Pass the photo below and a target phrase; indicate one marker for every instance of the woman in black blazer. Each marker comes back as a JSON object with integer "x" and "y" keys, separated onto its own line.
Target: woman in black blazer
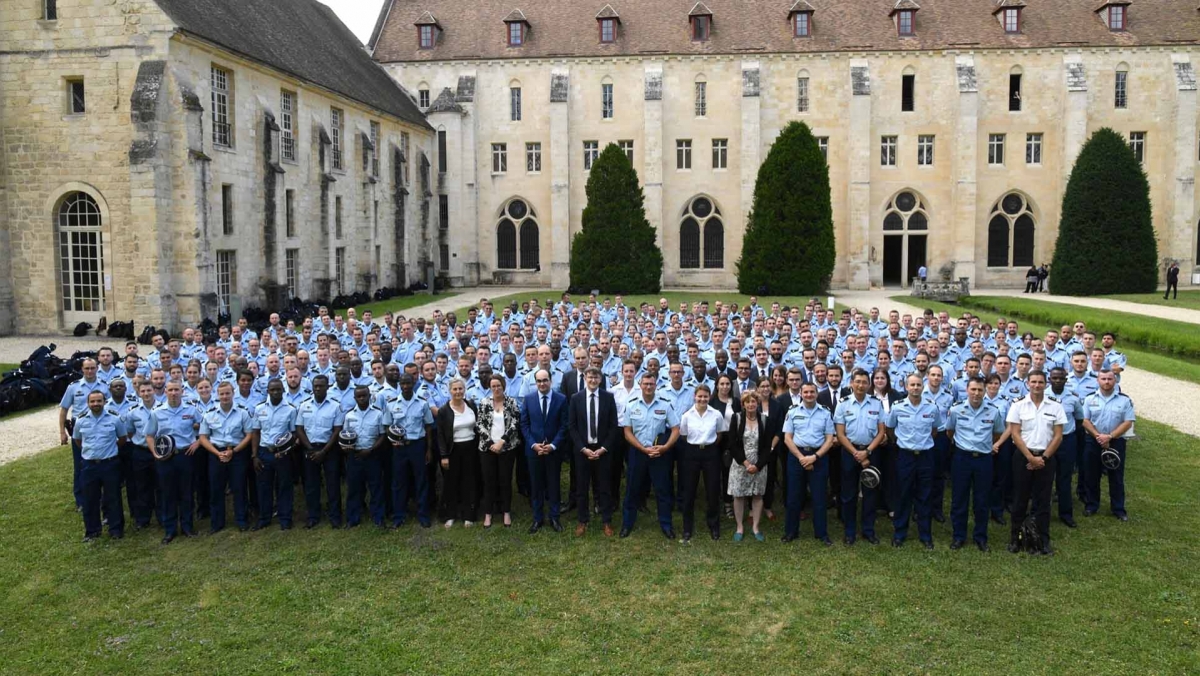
{"x": 725, "y": 401}
{"x": 458, "y": 445}
{"x": 499, "y": 434}
{"x": 881, "y": 389}
{"x": 748, "y": 471}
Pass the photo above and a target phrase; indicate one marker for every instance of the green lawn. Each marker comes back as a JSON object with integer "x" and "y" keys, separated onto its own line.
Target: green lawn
{"x": 5, "y": 368}
{"x": 399, "y": 303}
{"x": 633, "y": 301}
{"x": 1171, "y": 365}
{"x": 1187, "y": 299}
{"x": 1115, "y": 599}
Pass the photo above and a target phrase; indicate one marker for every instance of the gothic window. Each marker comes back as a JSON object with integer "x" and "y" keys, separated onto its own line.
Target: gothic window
{"x": 701, "y": 235}
{"x": 1011, "y": 228}
{"x": 518, "y": 241}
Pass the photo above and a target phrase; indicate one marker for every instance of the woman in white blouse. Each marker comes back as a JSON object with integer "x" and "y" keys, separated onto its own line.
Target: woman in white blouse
{"x": 701, "y": 429}
{"x": 499, "y": 430}
{"x": 460, "y": 455}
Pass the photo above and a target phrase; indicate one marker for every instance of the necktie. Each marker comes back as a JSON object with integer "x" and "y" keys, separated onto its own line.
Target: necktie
{"x": 592, "y": 417}
{"x": 545, "y": 407}
{"x": 581, "y": 382}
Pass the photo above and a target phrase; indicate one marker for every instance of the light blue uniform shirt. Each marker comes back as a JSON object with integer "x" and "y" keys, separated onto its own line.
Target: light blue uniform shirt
{"x": 345, "y": 398}
{"x": 367, "y": 424}
{"x": 974, "y": 427}
{"x": 944, "y": 399}
{"x": 649, "y": 421}
{"x": 76, "y": 396}
{"x": 318, "y": 420}
{"x": 180, "y": 423}
{"x": 249, "y": 403}
{"x": 914, "y": 425}
{"x": 97, "y": 434}
{"x": 860, "y": 420}
{"x": 1106, "y": 413}
{"x": 120, "y": 408}
{"x": 226, "y": 429}
{"x": 435, "y": 394}
{"x": 1082, "y": 386}
{"x": 1072, "y": 406}
{"x": 413, "y": 414}
{"x": 680, "y": 400}
{"x": 808, "y": 426}
{"x": 1014, "y": 389}
{"x": 273, "y": 421}
{"x": 140, "y": 421}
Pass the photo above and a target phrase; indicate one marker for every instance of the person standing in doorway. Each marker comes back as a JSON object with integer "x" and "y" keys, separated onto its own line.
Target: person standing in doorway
{"x": 1172, "y": 280}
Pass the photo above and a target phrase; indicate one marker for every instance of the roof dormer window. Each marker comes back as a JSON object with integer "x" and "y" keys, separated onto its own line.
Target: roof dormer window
{"x": 904, "y": 22}
{"x": 904, "y": 13}
{"x": 701, "y": 22}
{"x": 1115, "y": 14}
{"x": 1008, "y": 12}
{"x": 801, "y": 15}
{"x": 428, "y": 30}
{"x": 607, "y": 20}
{"x": 517, "y": 28}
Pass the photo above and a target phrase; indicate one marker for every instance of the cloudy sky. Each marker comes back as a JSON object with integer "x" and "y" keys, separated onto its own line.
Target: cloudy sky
{"x": 359, "y": 15}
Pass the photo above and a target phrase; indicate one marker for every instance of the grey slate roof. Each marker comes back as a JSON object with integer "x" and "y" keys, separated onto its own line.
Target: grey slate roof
{"x": 301, "y": 37}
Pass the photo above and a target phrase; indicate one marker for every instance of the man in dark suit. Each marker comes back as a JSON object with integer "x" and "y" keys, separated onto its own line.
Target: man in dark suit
{"x": 829, "y": 398}
{"x": 721, "y": 357}
{"x": 572, "y": 384}
{"x": 743, "y": 378}
{"x": 544, "y": 428}
{"x": 592, "y": 420}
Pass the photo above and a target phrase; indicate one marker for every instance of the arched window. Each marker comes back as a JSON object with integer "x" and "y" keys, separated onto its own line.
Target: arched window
{"x": 81, "y": 254}
{"x": 701, "y": 215}
{"x": 905, "y": 237}
{"x": 517, "y": 217}
{"x": 1011, "y": 228}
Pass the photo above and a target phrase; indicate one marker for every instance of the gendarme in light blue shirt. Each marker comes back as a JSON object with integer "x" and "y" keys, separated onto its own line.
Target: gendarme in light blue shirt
{"x": 226, "y": 429}
{"x": 808, "y": 426}
{"x": 180, "y": 423}
{"x": 914, "y": 424}
{"x": 318, "y": 420}
{"x": 273, "y": 421}
{"x": 413, "y": 414}
{"x": 367, "y": 424}
{"x": 1106, "y": 413}
{"x": 97, "y": 434}
{"x": 974, "y": 427}
{"x": 649, "y": 421}
{"x": 861, "y": 420}
{"x": 1072, "y": 406}
{"x": 76, "y": 396}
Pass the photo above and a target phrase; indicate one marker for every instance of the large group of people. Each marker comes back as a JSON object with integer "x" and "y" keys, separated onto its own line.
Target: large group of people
{"x": 761, "y": 409}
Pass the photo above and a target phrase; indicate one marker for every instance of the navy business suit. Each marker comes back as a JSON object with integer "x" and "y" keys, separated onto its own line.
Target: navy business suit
{"x": 599, "y": 471}
{"x": 544, "y": 470}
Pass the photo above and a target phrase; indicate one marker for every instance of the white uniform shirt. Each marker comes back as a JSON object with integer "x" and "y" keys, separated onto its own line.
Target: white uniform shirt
{"x": 701, "y": 430}
{"x": 1037, "y": 422}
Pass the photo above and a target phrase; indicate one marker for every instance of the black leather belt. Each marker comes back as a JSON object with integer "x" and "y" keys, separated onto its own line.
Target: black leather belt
{"x": 703, "y": 447}
{"x": 101, "y": 461}
{"x": 916, "y": 451}
{"x": 967, "y": 450}
{"x": 807, "y": 450}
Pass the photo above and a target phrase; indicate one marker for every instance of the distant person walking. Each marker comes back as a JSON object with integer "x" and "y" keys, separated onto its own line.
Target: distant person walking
{"x": 1043, "y": 273}
{"x": 1031, "y": 280}
{"x": 1172, "y": 280}
{"x": 922, "y": 273}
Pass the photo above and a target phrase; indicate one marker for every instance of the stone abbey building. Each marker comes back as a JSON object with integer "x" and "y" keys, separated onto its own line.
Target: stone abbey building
{"x": 165, "y": 160}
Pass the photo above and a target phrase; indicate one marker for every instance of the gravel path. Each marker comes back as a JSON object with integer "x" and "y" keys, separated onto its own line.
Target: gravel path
{"x": 1179, "y": 314}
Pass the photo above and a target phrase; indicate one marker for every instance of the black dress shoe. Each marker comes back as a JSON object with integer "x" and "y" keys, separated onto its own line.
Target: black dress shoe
{"x": 285, "y": 526}
{"x": 624, "y": 532}
{"x": 999, "y": 520}
{"x": 189, "y": 533}
{"x": 1045, "y": 551}
{"x": 214, "y": 531}
{"x": 849, "y": 540}
{"x": 787, "y": 538}
{"x": 939, "y": 517}
{"x": 1069, "y": 522}
{"x": 897, "y": 543}
{"x": 1122, "y": 517}
{"x": 116, "y": 536}
{"x": 556, "y": 525}
{"x": 983, "y": 546}
{"x": 669, "y": 534}
{"x": 715, "y": 533}
{"x": 335, "y": 525}
{"x": 956, "y": 545}
{"x": 687, "y": 537}
{"x": 257, "y": 527}
{"x": 167, "y": 539}
{"x": 1089, "y": 512}
{"x": 825, "y": 541}
{"x": 243, "y": 529}
{"x": 426, "y": 524}
{"x": 310, "y": 524}
{"x": 535, "y": 527}
{"x": 872, "y": 539}
{"x": 1013, "y": 548}
{"x": 93, "y": 538}
{"x": 928, "y": 544}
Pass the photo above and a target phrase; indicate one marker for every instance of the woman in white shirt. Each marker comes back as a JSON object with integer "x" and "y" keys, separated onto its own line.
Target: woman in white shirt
{"x": 459, "y": 449}
{"x": 702, "y": 430}
{"x": 499, "y": 431}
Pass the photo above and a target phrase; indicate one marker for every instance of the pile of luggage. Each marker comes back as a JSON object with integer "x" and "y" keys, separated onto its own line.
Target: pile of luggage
{"x": 41, "y": 379}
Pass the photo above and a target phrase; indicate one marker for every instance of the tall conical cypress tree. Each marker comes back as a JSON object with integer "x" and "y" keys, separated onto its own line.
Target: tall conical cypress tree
{"x": 789, "y": 248}
{"x": 1105, "y": 236}
{"x": 615, "y": 251}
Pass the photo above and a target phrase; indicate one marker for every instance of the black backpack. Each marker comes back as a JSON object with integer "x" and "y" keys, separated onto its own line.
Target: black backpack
{"x": 81, "y": 329}
{"x": 147, "y": 333}
{"x": 1028, "y": 538}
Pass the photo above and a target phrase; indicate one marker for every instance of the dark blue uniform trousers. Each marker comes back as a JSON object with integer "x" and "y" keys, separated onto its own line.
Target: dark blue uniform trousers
{"x": 849, "y": 495}
{"x": 800, "y": 480}
{"x": 545, "y": 474}
{"x": 941, "y": 472}
{"x": 175, "y": 484}
{"x": 331, "y": 467}
{"x": 971, "y": 475}
{"x": 1067, "y": 455}
{"x": 1002, "y": 479}
{"x": 409, "y": 460}
{"x": 101, "y": 479}
{"x": 1116, "y": 477}
{"x": 143, "y": 502}
{"x": 643, "y": 471}
{"x": 275, "y": 477}
{"x": 230, "y": 474}
{"x": 364, "y": 474}
{"x": 76, "y": 474}
{"x": 914, "y": 472}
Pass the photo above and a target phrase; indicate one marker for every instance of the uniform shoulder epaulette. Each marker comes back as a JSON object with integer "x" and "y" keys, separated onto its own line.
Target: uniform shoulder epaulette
{"x": 109, "y": 410}
{"x": 988, "y": 403}
{"x": 827, "y": 409}
{"x": 845, "y": 398}
{"x": 1122, "y": 394}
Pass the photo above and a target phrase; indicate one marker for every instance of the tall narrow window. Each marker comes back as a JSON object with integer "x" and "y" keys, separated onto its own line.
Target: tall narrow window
{"x": 823, "y": 144}
{"x": 287, "y": 125}
{"x": 608, "y": 30}
{"x": 720, "y": 153}
{"x": 996, "y": 149}
{"x": 499, "y": 158}
{"x": 506, "y": 245}
{"x": 226, "y": 278}
{"x": 1116, "y": 17}
{"x": 426, "y": 32}
{"x": 689, "y": 244}
{"x": 530, "y": 244}
{"x": 81, "y": 255}
{"x": 514, "y": 104}
{"x": 339, "y": 268}
{"x": 701, "y": 27}
{"x": 701, "y": 236}
{"x": 904, "y": 22}
{"x": 516, "y": 34}
{"x": 1033, "y": 148}
{"x": 444, "y": 212}
{"x": 337, "y": 217}
{"x": 1137, "y": 141}
{"x": 335, "y": 136}
{"x": 221, "y": 94}
{"x": 591, "y": 150}
{"x": 606, "y": 101}
{"x": 801, "y": 24}
{"x": 925, "y": 150}
{"x": 908, "y": 87}
{"x": 50, "y": 10}
{"x": 1012, "y": 20}
{"x": 441, "y": 151}
{"x": 887, "y": 151}
{"x": 802, "y": 94}
{"x": 76, "y": 101}
{"x": 291, "y": 259}
{"x": 1011, "y": 230}
{"x": 1014, "y": 92}
{"x": 683, "y": 154}
{"x": 289, "y": 212}
{"x": 627, "y": 148}
{"x": 226, "y": 209}
{"x": 701, "y": 99}
{"x": 404, "y": 150}
{"x": 374, "y": 148}
{"x": 1120, "y": 93}
{"x": 533, "y": 157}
{"x": 423, "y": 98}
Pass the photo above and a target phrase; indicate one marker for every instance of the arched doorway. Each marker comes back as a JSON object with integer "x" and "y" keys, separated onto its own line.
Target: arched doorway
{"x": 78, "y": 221}
{"x": 905, "y": 238}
